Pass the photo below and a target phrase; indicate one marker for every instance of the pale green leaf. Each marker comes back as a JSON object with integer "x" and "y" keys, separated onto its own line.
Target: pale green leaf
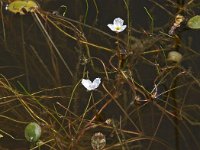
{"x": 194, "y": 22}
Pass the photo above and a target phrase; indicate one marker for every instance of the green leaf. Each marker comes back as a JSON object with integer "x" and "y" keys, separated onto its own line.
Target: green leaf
{"x": 19, "y": 6}
{"x": 194, "y": 22}
{"x": 32, "y": 132}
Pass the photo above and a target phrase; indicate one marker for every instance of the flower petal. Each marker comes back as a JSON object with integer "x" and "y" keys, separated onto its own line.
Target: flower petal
{"x": 112, "y": 27}
{"x": 86, "y": 83}
{"x": 96, "y": 82}
{"x": 118, "y": 22}
{"x": 122, "y": 28}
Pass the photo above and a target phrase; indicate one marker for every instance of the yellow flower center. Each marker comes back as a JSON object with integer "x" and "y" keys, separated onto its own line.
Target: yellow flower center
{"x": 117, "y": 28}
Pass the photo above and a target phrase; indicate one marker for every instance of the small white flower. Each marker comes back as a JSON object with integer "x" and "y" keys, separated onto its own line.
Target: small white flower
{"x": 89, "y": 85}
{"x": 117, "y": 25}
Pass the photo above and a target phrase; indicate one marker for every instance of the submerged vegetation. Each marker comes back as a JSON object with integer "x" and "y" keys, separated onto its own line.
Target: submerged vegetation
{"x": 70, "y": 82}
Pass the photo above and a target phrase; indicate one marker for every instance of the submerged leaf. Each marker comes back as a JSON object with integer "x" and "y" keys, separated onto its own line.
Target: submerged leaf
{"x": 194, "y": 22}
{"x": 32, "y": 132}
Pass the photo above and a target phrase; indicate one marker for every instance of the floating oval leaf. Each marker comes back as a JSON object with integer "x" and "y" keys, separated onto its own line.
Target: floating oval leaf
{"x": 31, "y": 5}
{"x": 22, "y": 6}
{"x": 16, "y": 7}
{"x": 194, "y": 22}
{"x": 32, "y": 132}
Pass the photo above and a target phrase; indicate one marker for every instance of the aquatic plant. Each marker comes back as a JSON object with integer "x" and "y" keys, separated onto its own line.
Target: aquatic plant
{"x": 146, "y": 98}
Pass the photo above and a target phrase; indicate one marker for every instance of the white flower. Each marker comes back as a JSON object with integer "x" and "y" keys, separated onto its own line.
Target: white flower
{"x": 117, "y": 25}
{"x": 91, "y": 85}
